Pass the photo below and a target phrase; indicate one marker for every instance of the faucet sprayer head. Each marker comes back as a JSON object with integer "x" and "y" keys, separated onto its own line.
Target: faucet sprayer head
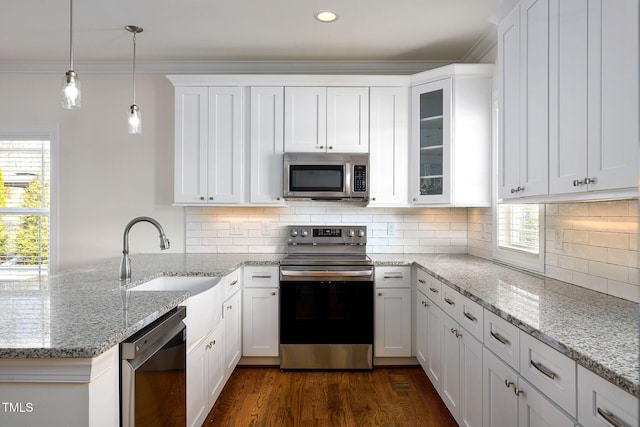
{"x": 164, "y": 242}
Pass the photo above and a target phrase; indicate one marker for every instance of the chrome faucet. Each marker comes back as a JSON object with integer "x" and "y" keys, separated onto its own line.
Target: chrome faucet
{"x": 125, "y": 264}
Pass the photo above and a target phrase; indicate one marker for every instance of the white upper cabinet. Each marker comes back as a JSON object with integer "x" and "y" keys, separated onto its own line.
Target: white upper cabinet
{"x": 208, "y": 145}
{"x": 523, "y": 122}
{"x": 388, "y": 144}
{"x": 450, "y": 153}
{"x": 320, "y": 119}
{"x": 266, "y": 136}
{"x": 568, "y": 76}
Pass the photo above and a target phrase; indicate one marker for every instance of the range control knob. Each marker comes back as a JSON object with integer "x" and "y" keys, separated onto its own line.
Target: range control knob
{"x": 351, "y": 233}
{"x": 304, "y": 233}
{"x": 293, "y": 232}
{"x": 361, "y": 233}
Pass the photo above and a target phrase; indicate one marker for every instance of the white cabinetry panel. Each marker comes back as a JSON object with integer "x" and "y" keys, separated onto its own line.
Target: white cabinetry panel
{"x": 305, "y": 110}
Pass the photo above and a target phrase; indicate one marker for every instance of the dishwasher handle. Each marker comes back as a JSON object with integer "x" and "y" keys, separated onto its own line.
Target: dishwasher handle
{"x": 154, "y": 336}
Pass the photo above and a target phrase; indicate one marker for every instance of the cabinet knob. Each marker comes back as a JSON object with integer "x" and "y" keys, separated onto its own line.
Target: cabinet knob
{"x": 589, "y": 180}
{"x": 201, "y": 197}
{"x": 414, "y": 199}
{"x": 210, "y": 198}
{"x": 321, "y": 147}
{"x": 373, "y": 198}
{"x": 330, "y": 147}
{"x": 277, "y": 198}
{"x": 379, "y": 294}
{"x": 508, "y": 383}
{"x": 577, "y": 182}
{"x": 273, "y": 293}
{"x": 517, "y": 391}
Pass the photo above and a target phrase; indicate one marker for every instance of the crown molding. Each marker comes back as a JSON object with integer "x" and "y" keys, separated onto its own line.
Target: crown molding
{"x": 482, "y": 47}
{"x": 225, "y": 67}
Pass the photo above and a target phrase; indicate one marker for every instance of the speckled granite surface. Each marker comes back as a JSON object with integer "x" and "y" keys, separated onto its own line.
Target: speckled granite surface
{"x": 80, "y": 314}
{"x": 599, "y": 331}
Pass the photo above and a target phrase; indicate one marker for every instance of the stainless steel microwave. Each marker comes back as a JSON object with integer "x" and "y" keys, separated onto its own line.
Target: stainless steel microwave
{"x": 326, "y": 176}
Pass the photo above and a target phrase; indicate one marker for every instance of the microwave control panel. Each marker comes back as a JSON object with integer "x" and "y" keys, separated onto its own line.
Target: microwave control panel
{"x": 359, "y": 178}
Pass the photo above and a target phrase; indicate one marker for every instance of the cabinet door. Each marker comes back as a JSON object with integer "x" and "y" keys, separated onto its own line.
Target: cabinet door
{"x": 613, "y": 94}
{"x": 470, "y": 381}
{"x": 215, "y": 365}
{"x": 509, "y": 112}
{"x": 392, "y": 323}
{"x": 568, "y": 95}
{"x": 232, "y": 332}
{"x": 260, "y": 322}
{"x": 305, "y": 119}
{"x": 191, "y": 133}
{"x": 450, "y": 393}
{"x": 500, "y": 403}
{"x": 422, "y": 303}
{"x": 434, "y": 346}
{"x": 431, "y": 110}
{"x": 224, "y": 183}
{"x": 197, "y": 385}
{"x": 534, "y": 410}
{"x": 388, "y": 145}
{"x": 266, "y": 145}
{"x": 534, "y": 92}
{"x": 348, "y": 119}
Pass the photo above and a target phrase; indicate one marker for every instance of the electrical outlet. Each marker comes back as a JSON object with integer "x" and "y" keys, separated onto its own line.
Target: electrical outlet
{"x": 266, "y": 229}
{"x": 235, "y": 229}
{"x": 391, "y": 229}
{"x": 558, "y": 239}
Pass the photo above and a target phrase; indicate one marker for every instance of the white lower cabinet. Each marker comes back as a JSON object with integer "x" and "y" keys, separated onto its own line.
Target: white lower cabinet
{"x": 260, "y": 311}
{"x": 205, "y": 376}
{"x": 232, "y": 312}
{"x": 510, "y": 401}
{"x": 422, "y": 305}
{"x": 392, "y": 306}
{"x": 602, "y": 404}
{"x": 434, "y": 345}
{"x": 461, "y": 373}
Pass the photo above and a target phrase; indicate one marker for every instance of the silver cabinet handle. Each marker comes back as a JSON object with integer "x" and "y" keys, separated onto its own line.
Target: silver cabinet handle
{"x": 422, "y": 281}
{"x": 517, "y": 189}
{"x": 321, "y": 147}
{"x": 330, "y": 147}
{"x": 450, "y": 301}
{"x": 589, "y": 180}
{"x": 261, "y": 276}
{"x": 201, "y": 197}
{"x": 470, "y": 316}
{"x": 500, "y": 338}
{"x": 235, "y": 282}
{"x": 577, "y": 182}
{"x": 508, "y": 383}
{"x": 273, "y": 293}
{"x": 210, "y": 198}
{"x": 517, "y": 391}
{"x": 393, "y": 277}
{"x": 379, "y": 294}
{"x": 434, "y": 290}
{"x": 543, "y": 369}
{"x": 612, "y": 419}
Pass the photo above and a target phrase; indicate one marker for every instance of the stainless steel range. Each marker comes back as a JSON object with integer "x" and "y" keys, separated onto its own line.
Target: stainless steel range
{"x": 326, "y": 299}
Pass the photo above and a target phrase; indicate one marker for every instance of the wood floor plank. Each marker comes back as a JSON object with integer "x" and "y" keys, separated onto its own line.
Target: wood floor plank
{"x": 384, "y": 396}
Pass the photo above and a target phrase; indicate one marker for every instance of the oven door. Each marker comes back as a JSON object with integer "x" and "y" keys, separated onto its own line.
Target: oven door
{"x": 326, "y": 324}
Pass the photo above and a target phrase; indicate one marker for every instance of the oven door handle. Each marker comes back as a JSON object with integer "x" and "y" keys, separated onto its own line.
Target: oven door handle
{"x": 324, "y": 273}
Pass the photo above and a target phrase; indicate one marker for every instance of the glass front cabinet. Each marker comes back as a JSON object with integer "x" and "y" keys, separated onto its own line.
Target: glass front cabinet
{"x": 451, "y": 135}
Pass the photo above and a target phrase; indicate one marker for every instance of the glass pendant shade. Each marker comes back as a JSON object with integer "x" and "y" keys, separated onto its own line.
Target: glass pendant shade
{"x": 71, "y": 95}
{"x": 134, "y": 119}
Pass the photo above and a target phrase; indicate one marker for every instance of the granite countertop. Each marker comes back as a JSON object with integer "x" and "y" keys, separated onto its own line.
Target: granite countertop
{"x": 81, "y": 313}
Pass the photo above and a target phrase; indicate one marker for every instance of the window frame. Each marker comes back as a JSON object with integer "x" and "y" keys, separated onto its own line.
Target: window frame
{"x": 50, "y": 133}
{"x": 521, "y": 258}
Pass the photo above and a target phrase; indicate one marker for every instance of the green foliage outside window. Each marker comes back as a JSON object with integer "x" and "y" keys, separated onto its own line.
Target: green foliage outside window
{"x": 32, "y": 236}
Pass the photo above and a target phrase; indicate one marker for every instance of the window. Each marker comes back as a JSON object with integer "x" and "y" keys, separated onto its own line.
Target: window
{"x": 520, "y": 235}
{"x": 25, "y": 202}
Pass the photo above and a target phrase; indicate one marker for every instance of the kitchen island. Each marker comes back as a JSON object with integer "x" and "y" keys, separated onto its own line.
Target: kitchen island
{"x": 79, "y": 317}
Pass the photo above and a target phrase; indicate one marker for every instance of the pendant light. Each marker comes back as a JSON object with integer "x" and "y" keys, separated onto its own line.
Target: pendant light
{"x": 71, "y": 96}
{"x": 134, "y": 117}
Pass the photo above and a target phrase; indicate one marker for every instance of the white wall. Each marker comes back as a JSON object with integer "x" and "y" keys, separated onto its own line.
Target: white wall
{"x": 106, "y": 176}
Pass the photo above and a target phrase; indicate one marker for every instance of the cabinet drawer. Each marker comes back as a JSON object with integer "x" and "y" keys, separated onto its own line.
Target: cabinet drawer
{"x": 550, "y": 371}
{"x": 422, "y": 281}
{"x": 434, "y": 290}
{"x": 256, "y": 276}
{"x": 601, "y": 404}
{"x": 471, "y": 317}
{"x": 502, "y": 338}
{"x": 393, "y": 277}
{"x": 232, "y": 283}
{"x": 451, "y": 302}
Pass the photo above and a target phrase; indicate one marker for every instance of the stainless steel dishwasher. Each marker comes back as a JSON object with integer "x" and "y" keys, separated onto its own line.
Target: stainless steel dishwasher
{"x": 153, "y": 373}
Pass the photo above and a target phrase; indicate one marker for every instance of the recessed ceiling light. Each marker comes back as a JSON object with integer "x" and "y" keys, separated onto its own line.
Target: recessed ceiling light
{"x": 326, "y": 15}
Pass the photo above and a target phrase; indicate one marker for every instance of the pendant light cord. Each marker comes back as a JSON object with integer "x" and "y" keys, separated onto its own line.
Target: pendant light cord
{"x": 134, "y": 68}
{"x": 71, "y": 35}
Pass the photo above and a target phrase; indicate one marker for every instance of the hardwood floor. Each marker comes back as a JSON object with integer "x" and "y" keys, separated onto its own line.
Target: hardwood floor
{"x": 257, "y": 396}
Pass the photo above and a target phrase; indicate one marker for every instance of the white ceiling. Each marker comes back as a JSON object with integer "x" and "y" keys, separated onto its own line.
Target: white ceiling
{"x": 243, "y": 30}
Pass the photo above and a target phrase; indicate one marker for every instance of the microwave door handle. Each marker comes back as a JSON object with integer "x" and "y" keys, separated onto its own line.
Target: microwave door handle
{"x": 347, "y": 179}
